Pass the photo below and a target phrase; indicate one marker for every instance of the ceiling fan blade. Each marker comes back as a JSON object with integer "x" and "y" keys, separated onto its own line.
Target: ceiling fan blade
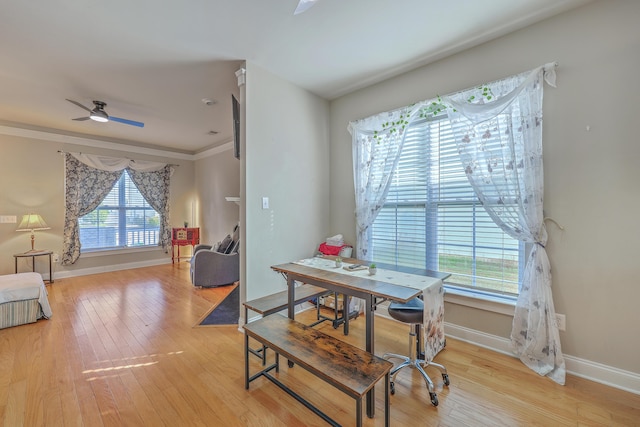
{"x": 126, "y": 122}
{"x": 81, "y": 119}
{"x": 303, "y": 6}
{"x": 79, "y": 105}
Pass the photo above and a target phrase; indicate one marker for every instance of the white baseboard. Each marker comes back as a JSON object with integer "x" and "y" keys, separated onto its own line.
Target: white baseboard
{"x": 106, "y": 268}
{"x": 593, "y": 371}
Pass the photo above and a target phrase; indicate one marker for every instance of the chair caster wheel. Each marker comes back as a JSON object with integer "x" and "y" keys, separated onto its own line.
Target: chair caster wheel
{"x": 445, "y": 377}
{"x": 434, "y": 399}
{"x": 392, "y": 387}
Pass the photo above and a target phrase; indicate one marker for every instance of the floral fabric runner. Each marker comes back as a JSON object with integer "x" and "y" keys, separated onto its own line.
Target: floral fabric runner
{"x": 432, "y": 291}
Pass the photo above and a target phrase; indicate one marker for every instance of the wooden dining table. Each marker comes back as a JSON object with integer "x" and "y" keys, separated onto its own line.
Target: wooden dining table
{"x": 372, "y": 289}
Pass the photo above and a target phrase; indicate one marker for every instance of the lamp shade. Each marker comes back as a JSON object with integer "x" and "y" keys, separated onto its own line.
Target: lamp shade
{"x": 32, "y": 222}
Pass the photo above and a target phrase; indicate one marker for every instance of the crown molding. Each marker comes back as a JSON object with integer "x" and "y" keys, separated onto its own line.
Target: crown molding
{"x": 98, "y": 143}
{"x": 213, "y": 150}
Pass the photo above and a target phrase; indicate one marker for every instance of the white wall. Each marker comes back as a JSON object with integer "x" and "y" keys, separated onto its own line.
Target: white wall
{"x": 286, "y": 158}
{"x": 591, "y": 176}
{"x": 32, "y": 180}
{"x": 216, "y": 176}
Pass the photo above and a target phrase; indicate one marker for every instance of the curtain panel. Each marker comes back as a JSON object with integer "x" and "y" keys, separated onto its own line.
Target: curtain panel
{"x": 506, "y": 176}
{"x": 377, "y": 144}
{"x": 85, "y": 188}
{"x": 89, "y": 179}
{"x": 509, "y": 182}
{"x": 154, "y": 187}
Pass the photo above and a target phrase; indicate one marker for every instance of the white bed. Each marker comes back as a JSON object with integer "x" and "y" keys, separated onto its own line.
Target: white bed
{"x": 23, "y": 299}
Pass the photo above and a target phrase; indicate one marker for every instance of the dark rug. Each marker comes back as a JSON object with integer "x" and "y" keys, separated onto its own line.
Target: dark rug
{"x": 226, "y": 312}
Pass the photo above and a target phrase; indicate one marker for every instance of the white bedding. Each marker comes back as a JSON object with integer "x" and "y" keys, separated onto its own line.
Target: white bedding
{"x": 25, "y": 286}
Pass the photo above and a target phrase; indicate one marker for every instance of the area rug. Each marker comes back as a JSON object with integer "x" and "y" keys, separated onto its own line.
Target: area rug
{"x": 225, "y": 313}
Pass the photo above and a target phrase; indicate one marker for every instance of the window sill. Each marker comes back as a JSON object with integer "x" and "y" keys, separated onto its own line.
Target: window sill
{"x": 493, "y": 303}
{"x": 119, "y": 251}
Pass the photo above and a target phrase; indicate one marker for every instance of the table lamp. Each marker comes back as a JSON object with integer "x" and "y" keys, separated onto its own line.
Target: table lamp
{"x": 32, "y": 222}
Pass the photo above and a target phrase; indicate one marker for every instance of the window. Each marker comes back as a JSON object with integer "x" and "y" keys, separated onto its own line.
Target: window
{"x": 123, "y": 219}
{"x": 432, "y": 218}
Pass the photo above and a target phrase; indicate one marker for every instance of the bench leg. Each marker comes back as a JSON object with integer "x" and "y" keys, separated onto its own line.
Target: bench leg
{"x": 246, "y": 361}
{"x": 359, "y": 412}
{"x": 262, "y": 352}
{"x": 337, "y": 319}
{"x": 264, "y": 372}
{"x": 387, "y": 406}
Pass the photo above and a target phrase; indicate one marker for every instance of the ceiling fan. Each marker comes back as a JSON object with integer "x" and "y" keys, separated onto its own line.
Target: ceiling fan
{"x": 99, "y": 115}
{"x": 303, "y": 6}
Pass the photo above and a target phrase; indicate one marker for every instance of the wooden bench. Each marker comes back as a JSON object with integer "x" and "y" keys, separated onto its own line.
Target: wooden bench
{"x": 346, "y": 367}
{"x": 277, "y": 302}
{"x": 274, "y": 303}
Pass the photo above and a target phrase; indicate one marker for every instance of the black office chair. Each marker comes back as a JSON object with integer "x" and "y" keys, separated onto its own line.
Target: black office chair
{"x": 413, "y": 312}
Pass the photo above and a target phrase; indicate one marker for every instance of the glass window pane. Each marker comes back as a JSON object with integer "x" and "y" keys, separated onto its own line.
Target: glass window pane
{"x": 432, "y": 218}
{"x": 123, "y": 219}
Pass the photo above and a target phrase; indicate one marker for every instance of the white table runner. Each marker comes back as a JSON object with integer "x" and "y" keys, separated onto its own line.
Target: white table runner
{"x": 432, "y": 291}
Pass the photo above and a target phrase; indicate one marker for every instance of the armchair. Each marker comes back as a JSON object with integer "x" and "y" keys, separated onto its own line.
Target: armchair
{"x": 217, "y": 265}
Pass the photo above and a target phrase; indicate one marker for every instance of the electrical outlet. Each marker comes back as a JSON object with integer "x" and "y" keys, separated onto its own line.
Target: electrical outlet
{"x": 55, "y": 257}
{"x": 561, "y": 321}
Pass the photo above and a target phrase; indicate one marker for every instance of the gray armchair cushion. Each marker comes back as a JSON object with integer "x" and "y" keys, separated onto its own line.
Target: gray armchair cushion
{"x": 218, "y": 265}
{"x": 201, "y": 247}
{"x": 224, "y": 246}
{"x": 210, "y": 269}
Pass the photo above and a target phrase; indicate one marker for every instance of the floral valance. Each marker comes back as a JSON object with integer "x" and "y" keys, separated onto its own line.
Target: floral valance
{"x": 481, "y": 103}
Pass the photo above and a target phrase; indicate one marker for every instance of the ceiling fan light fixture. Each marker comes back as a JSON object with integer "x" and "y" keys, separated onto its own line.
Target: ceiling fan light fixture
{"x": 303, "y": 6}
{"x": 99, "y": 116}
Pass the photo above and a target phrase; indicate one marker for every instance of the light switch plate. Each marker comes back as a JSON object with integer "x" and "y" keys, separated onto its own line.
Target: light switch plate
{"x": 265, "y": 203}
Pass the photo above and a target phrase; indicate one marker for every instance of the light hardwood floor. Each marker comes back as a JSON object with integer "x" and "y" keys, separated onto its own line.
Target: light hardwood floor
{"x": 122, "y": 350}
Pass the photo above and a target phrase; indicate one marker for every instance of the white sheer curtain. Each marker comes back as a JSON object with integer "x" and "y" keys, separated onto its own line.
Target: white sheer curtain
{"x": 377, "y": 144}
{"x": 498, "y": 127}
{"x": 507, "y": 174}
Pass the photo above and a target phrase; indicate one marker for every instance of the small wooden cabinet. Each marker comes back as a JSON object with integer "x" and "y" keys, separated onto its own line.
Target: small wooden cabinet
{"x": 183, "y": 237}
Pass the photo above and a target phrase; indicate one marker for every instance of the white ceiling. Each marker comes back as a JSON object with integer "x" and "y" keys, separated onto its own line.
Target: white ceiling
{"x": 154, "y": 61}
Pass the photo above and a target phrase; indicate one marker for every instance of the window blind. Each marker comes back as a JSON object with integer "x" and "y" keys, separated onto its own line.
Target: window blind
{"x": 432, "y": 218}
{"x": 123, "y": 219}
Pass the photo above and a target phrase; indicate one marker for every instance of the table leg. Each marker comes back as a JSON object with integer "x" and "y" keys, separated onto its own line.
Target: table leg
{"x": 291, "y": 289}
{"x": 50, "y": 270}
{"x": 369, "y": 340}
{"x": 346, "y": 299}
{"x": 16, "y": 258}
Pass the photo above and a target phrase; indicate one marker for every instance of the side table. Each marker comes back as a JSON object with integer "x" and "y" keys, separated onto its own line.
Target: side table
{"x": 184, "y": 237}
{"x": 33, "y": 255}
